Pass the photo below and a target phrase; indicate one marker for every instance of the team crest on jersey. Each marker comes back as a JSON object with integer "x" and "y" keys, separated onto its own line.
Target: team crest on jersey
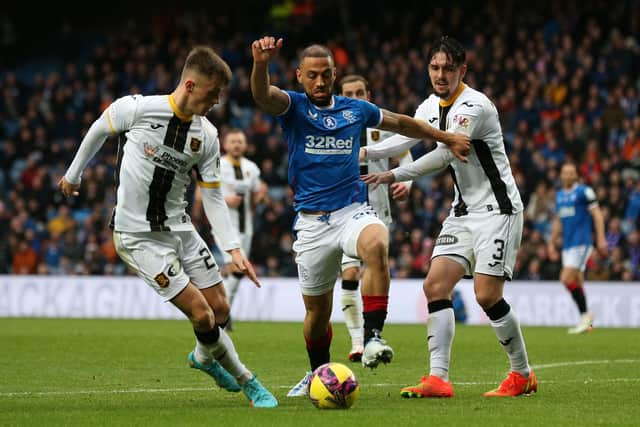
{"x": 375, "y": 135}
{"x": 329, "y": 122}
{"x": 150, "y": 150}
{"x": 461, "y": 121}
{"x": 195, "y": 144}
{"x": 349, "y": 116}
{"x": 162, "y": 280}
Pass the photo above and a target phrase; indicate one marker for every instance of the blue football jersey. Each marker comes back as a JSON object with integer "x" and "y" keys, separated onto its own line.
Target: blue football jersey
{"x": 324, "y": 144}
{"x": 572, "y": 206}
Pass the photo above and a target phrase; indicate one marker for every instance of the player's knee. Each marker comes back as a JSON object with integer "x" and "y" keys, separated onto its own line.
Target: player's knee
{"x": 435, "y": 289}
{"x": 202, "y": 318}
{"x": 487, "y": 300}
{"x": 375, "y": 250}
{"x": 222, "y": 310}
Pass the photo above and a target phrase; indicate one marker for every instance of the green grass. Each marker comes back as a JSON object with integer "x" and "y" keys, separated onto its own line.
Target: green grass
{"x": 113, "y": 372}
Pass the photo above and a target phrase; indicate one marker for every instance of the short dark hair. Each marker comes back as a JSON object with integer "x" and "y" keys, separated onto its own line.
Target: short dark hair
{"x": 205, "y": 61}
{"x": 316, "y": 51}
{"x": 353, "y": 78}
{"x": 452, "y": 48}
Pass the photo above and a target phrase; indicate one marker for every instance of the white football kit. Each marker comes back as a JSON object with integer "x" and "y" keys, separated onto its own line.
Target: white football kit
{"x": 242, "y": 178}
{"x": 484, "y": 228}
{"x": 159, "y": 146}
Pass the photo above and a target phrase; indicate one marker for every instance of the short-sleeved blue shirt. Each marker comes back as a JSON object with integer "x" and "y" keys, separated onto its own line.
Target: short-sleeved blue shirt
{"x": 572, "y": 206}
{"x": 324, "y": 144}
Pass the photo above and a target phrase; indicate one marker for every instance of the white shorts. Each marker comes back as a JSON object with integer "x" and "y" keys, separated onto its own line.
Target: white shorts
{"x": 349, "y": 262}
{"x": 576, "y": 257}
{"x": 322, "y": 239}
{"x": 168, "y": 261}
{"x": 482, "y": 243}
{"x": 245, "y": 245}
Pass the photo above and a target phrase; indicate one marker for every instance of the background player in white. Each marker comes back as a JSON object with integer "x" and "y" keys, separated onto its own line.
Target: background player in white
{"x": 163, "y": 138}
{"x": 356, "y": 86}
{"x": 481, "y": 236}
{"x": 323, "y": 138}
{"x": 577, "y": 213}
{"x": 243, "y": 190}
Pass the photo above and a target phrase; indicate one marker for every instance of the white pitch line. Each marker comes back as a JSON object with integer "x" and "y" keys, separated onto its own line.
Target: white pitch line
{"x": 582, "y": 362}
{"x": 461, "y": 383}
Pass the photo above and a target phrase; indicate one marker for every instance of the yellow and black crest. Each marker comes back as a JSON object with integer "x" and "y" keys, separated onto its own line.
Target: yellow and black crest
{"x": 375, "y": 135}
{"x": 162, "y": 280}
{"x": 195, "y": 144}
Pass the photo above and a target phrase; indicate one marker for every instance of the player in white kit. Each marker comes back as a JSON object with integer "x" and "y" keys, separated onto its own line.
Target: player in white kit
{"x": 162, "y": 139}
{"x": 242, "y": 189}
{"x": 482, "y": 234}
{"x": 356, "y": 86}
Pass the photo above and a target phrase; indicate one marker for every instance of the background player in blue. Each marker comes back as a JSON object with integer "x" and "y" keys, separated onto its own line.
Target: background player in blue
{"x": 323, "y": 132}
{"x": 577, "y": 213}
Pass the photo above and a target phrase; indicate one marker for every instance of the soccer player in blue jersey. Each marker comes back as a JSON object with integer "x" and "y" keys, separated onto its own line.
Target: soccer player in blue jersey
{"x": 577, "y": 213}
{"x": 323, "y": 135}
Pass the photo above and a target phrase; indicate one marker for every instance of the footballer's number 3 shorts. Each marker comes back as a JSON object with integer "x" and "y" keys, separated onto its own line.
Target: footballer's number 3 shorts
{"x": 482, "y": 243}
{"x": 167, "y": 261}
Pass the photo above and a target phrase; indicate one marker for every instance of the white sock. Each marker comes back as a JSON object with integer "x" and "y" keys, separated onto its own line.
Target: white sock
{"x": 202, "y": 353}
{"x": 352, "y": 311}
{"x": 441, "y": 328}
{"x": 510, "y": 336}
{"x": 231, "y": 284}
{"x": 225, "y": 353}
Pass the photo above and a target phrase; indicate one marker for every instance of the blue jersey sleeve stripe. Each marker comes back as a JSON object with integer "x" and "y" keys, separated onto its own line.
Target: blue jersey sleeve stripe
{"x": 286, "y": 110}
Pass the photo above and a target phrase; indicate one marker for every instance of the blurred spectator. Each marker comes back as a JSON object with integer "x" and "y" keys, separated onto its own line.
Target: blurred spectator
{"x": 566, "y": 86}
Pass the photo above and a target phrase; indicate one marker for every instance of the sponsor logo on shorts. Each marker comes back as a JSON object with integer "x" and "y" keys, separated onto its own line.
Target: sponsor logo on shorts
{"x": 162, "y": 280}
{"x": 446, "y": 239}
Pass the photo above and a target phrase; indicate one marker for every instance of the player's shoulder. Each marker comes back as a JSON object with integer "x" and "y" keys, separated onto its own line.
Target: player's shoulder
{"x": 130, "y": 101}
{"x": 209, "y": 128}
{"x": 472, "y": 101}
{"x": 428, "y": 109}
{"x": 250, "y": 165}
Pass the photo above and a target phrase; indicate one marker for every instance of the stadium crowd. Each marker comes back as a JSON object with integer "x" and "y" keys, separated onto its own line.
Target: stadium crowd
{"x": 565, "y": 83}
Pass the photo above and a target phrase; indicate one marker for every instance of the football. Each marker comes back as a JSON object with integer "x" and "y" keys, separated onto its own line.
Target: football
{"x": 333, "y": 386}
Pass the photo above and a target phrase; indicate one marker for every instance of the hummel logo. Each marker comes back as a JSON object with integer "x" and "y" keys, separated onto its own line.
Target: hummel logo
{"x": 468, "y": 104}
{"x": 429, "y": 337}
{"x": 344, "y": 307}
{"x": 506, "y": 342}
{"x": 433, "y": 119}
{"x": 156, "y": 125}
{"x": 493, "y": 264}
{"x": 312, "y": 114}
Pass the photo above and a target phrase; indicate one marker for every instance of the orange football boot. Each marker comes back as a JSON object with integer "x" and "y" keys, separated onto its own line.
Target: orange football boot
{"x": 430, "y": 386}
{"x": 515, "y": 385}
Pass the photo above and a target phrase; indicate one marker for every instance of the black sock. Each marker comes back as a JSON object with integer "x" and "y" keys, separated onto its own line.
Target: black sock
{"x": 579, "y": 298}
{"x": 349, "y": 285}
{"x": 318, "y": 350}
{"x": 498, "y": 310}
{"x": 208, "y": 337}
{"x": 373, "y": 323}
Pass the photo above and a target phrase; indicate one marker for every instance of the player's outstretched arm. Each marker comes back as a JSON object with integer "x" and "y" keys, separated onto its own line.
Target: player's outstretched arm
{"x": 393, "y": 146}
{"x": 268, "y": 97}
{"x": 69, "y": 184}
{"x": 215, "y": 208}
{"x": 459, "y": 143}
{"x": 243, "y": 265}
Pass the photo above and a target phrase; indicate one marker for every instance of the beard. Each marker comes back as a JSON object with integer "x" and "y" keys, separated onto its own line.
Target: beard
{"x": 320, "y": 101}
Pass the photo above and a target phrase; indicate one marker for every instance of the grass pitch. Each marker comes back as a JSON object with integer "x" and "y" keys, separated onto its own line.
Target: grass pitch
{"x": 116, "y": 372}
